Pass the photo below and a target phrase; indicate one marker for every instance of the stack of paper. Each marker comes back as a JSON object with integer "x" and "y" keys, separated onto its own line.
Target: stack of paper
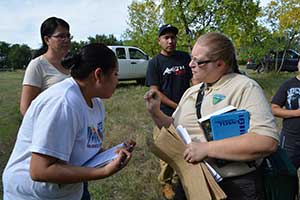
{"x": 182, "y": 132}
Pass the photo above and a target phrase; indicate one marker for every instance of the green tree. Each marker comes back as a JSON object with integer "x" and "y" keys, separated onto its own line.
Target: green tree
{"x": 237, "y": 19}
{"x": 108, "y": 40}
{"x": 19, "y": 56}
{"x": 144, "y": 19}
{"x": 75, "y": 46}
{"x": 193, "y": 18}
{"x": 4, "y": 51}
{"x": 283, "y": 16}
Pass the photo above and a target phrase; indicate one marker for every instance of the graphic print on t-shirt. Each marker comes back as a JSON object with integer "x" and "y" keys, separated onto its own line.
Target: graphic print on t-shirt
{"x": 177, "y": 70}
{"x": 95, "y": 136}
{"x": 293, "y": 98}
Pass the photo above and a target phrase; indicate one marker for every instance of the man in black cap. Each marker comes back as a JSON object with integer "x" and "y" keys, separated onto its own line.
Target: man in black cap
{"x": 168, "y": 73}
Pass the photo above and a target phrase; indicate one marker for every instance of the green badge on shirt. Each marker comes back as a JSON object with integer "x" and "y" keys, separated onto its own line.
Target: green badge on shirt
{"x": 217, "y": 98}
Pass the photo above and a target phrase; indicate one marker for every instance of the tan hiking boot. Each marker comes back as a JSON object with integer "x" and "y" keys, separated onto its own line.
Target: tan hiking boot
{"x": 168, "y": 191}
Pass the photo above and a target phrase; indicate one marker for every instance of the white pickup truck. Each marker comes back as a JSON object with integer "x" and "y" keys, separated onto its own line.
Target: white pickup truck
{"x": 133, "y": 63}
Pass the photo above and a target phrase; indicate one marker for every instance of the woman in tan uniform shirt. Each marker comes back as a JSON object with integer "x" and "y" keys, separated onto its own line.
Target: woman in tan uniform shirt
{"x": 214, "y": 63}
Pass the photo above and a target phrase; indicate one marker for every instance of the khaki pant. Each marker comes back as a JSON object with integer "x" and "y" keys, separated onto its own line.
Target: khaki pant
{"x": 167, "y": 174}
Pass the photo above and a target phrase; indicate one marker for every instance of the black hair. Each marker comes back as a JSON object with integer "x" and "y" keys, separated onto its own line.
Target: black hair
{"x": 89, "y": 58}
{"x": 48, "y": 27}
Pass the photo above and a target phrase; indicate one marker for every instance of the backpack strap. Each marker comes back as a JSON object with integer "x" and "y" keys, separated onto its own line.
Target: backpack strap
{"x": 199, "y": 100}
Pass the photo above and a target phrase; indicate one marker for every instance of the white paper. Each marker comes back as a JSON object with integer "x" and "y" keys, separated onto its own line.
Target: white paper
{"x": 104, "y": 157}
{"x": 213, "y": 172}
{"x": 218, "y": 112}
{"x": 187, "y": 139}
{"x": 184, "y": 134}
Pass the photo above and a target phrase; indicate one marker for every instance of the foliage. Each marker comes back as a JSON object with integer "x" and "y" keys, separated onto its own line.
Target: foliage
{"x": 243, "y": 21}
{"x": 75, "y": 46}
{"x": 19, "y": 56}
{"x": 144, "y": 18}
{"x": 14, "y": 56}
{"x": 193, "y": 18}
{"x": 238, "y": 20}
{"x": 255, "y": 31}
{"x": 283, "y": 16}
{"x": 108, "y": 40}
{"x": 260, "y": 46}
{"x": 4, "y": 50}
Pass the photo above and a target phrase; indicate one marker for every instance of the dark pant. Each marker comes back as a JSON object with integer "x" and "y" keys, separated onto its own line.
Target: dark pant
{"x": 246, "y": 187}
{"x": 179, "y": 192}
{"x": 86, "y": 194}
{"x": 291, "y": 144}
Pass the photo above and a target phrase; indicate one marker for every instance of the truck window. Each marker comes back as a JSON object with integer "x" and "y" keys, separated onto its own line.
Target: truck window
{"x": 136, "y": 54}
{"x": 120, "y": 53}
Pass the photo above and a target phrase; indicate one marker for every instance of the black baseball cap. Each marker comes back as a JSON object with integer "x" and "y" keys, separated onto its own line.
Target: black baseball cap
{"x": 167, "y": 28}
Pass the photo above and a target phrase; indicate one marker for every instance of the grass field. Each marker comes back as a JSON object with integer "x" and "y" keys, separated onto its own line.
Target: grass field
{"x": 126, "y": 118}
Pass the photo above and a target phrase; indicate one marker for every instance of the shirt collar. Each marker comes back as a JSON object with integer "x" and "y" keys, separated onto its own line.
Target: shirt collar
{"x": 222, "y": 81}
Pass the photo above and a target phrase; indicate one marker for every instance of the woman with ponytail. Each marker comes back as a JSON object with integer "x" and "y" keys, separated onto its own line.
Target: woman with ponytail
{"x": 46, "y": 68}
{"x": 62, "y": 129}
{"x": 214, "y": 67}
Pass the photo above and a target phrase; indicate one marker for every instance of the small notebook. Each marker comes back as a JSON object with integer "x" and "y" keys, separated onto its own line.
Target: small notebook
{"x": 230, "y": 124}
{"x": 103, "y": 158}
{"x": 225, "y": 123}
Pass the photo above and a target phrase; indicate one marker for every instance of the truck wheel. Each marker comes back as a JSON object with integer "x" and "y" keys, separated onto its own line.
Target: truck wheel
{"x": 140, "y": 81}
{"x": 260, "y": 69}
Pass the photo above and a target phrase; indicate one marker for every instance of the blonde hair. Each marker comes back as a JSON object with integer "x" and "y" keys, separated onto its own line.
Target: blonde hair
{"x": 219, "y": 47}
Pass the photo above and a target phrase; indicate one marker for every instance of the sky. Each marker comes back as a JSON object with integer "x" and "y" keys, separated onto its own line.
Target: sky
{"x": 20, "y": 20}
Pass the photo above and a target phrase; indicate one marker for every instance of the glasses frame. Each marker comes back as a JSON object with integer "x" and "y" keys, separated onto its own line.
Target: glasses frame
{"x": 62, "y": 36}
{"x": 200, "y": 62}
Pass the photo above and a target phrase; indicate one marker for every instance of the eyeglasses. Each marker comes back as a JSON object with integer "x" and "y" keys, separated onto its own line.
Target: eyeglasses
{"x": 63, "y": 36}
{"x": 200, "y": 62}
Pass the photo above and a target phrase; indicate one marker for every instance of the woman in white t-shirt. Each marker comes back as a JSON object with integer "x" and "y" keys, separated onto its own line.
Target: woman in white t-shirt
{"x": 46, "y": 68}
{"x": 62, "y": 129}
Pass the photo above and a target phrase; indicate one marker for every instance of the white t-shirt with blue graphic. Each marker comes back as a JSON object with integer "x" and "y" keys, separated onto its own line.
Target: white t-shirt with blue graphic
{"x": 60, "y": 124}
